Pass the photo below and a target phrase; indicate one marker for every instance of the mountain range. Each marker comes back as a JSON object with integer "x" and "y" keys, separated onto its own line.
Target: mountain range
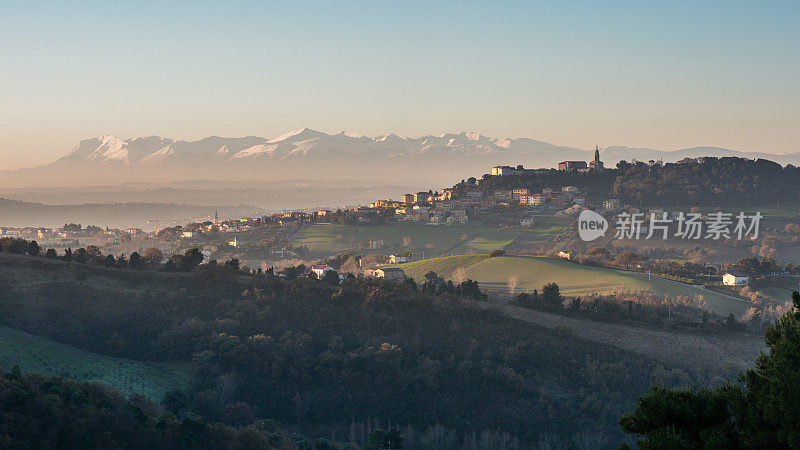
{"x": 311, "y": 154}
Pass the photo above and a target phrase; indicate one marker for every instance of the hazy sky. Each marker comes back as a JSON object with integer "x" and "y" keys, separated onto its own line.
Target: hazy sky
{"x": 664, "y": 75}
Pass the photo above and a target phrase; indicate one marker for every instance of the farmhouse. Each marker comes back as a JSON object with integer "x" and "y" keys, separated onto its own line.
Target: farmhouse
{"x": 399, "y": 258}
{"x": 320, "y": 269}
{"x": 391, "y": 273}
{"x": 735, "y": 279}
{"x": 565, "y": 255}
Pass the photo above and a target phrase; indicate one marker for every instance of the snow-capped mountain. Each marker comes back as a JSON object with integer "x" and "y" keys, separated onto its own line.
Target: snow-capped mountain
{"x": 306, "y": 143}
{"x": 311, "y": 154}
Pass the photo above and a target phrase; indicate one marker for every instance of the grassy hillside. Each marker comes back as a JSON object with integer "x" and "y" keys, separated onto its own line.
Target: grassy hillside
{"x": 574, "y": 279}
{"x": 444, "y": 266}
{"x": 433, "y": 239}
{"x": 34, "y": 354}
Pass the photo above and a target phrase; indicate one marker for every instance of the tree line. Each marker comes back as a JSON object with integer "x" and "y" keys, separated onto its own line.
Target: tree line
{"x": 316, "y": 356}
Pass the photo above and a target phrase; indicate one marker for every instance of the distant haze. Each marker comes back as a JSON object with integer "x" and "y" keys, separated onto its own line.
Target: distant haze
{"x": 307, "y": 154}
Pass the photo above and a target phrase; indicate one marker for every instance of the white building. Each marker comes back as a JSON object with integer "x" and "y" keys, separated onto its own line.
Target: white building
{"x": 321, "y": 269}
{"x": 730, "y": 279}
{"x": 399, "y": 258}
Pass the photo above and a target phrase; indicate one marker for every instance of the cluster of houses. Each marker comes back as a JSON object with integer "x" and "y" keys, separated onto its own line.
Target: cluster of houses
{"x": 443, "y": 208}
{"x": 388, "y": 273}
{"x": 69, "y": 234}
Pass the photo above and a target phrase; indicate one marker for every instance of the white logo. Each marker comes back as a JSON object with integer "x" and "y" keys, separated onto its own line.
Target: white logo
{"x": 591, "y": 225}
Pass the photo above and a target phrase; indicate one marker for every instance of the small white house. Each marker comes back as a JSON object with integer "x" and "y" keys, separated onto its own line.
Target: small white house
{"x": 730, "y": 279}
{"x": 188, "y": 234}
{"x": 234, "y": 242}
{"x": 398, "y": 258}
{"x": 565, "y": 255}
{"x": 390, "y": 273}
{"x": 321, "y": 269}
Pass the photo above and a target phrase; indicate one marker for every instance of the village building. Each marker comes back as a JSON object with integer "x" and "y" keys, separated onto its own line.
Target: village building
{"x": 319, "y": 270}
{"x": 421, "y": 197}
{"x": 569, "y": 166}
{"x": 458, "y": 216}
{"x": 501, "y": 171}
{"x": 596, "y": 165}
{"x": 399, "y": 258}
{"x": 735, "y": 279}
{"x": 518, "y": 192}
{"x": 390, "y": 273}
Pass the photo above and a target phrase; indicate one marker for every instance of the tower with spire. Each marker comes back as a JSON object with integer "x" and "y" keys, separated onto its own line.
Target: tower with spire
{"x": 596, "y": 165}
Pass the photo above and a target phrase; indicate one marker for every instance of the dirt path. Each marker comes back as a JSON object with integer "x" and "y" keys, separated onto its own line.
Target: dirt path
{"x": 712, "y": 350}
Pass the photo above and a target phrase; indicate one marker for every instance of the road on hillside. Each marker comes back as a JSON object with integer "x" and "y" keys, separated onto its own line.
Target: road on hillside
{"x": 695, "y": 350}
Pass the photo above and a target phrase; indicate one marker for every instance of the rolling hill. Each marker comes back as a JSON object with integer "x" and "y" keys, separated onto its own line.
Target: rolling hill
{"x": 533, "y": 272}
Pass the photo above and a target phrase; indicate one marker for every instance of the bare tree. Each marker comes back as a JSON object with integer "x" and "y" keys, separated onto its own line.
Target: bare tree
{"x": 406, "y": 241}
{"x": 459, "y": 275}
{"x": 512, "y": 283}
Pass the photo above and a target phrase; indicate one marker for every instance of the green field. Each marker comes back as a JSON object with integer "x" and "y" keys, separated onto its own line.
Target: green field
{"x": 432, "y": 239}
{"x": 34, "y": 354}
{"x": 777, "y": 293}
{"x": 533, "y": 272}
{"x": 444, "y": 266}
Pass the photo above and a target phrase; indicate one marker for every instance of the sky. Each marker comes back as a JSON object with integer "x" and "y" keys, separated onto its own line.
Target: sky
{"x": 665, "y": 75}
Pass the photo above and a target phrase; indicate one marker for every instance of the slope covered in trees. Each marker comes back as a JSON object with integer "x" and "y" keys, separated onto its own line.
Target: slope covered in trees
{"x": 317, "y": 356}
{"x": 735, "y": 182}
